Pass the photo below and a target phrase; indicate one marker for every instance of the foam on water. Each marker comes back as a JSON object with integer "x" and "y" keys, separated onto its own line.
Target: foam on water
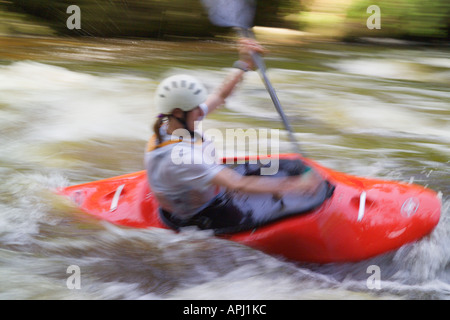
{"x": 40, "y": 235}
{"x": 64, "y": 105}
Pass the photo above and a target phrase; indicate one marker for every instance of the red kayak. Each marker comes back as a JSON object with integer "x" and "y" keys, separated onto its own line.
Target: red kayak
{"x": 353, "y": 219}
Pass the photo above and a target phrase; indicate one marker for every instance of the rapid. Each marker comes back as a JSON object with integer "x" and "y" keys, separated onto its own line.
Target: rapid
{"x": 79, "y": 110}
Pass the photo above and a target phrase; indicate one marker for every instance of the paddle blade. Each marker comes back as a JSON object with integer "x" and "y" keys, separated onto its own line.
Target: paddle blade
{"x": 231, "y": 13}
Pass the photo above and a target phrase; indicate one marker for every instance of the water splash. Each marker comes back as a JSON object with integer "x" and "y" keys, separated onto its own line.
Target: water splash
{"x": 61, "y": 126}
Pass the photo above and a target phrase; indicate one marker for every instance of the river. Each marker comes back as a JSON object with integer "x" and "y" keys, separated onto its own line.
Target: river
{"x": 79, "y": 110}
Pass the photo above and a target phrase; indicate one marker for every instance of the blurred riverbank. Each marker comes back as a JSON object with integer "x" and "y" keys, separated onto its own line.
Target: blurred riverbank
{"x": 349, "y": 20}
{"x": 77, "y": 109}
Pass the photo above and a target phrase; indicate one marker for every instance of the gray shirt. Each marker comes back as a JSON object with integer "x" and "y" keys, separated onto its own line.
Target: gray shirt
{"x": 180, "y": 175}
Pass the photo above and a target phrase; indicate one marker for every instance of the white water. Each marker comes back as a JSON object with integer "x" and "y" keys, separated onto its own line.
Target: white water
{"x": 61, "y": 127}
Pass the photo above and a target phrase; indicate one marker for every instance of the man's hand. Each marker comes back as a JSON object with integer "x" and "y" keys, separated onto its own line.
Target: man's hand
{"x": 246, "y": 47}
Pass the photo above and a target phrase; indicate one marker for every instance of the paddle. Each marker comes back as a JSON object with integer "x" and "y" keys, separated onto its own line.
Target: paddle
{"x": 239, "y": 14}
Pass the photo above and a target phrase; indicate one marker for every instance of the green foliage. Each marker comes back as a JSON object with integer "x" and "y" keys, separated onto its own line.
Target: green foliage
{"x": 145, "y": 18}
{"x": 132, "y": 18}
{"x": 410, "y": 19}
{"x": 407, "y": 19}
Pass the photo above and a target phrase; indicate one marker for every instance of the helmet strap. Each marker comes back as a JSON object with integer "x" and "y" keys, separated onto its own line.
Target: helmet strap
{"x": 183, "y": 121}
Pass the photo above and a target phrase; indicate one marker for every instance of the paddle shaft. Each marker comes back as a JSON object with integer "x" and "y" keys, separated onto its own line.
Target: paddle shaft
{"x": 259, "y": 61}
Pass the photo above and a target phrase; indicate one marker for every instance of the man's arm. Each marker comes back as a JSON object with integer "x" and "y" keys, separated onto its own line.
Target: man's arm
{"x": 230, "y": 179}
{"x": 246, "y": 46}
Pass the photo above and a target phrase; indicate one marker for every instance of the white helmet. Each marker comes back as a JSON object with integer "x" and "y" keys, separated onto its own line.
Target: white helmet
{"x": 179, "y": 91}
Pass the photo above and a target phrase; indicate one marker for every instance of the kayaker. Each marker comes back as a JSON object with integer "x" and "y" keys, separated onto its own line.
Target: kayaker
{"x": 185, "y": 188}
